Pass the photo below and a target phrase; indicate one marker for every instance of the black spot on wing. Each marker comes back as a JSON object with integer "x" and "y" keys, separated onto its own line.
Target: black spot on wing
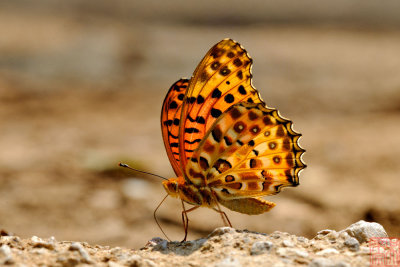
{"x": 192, "y": 142}
{"x": 200, "y": 99}
{"x": 239, "y": 74}
{"x": 228, "y": 140}
{"x": 224, "y": 71}
{"x": 217, "y": 134}
{"x": 229, "y": 98}
{"x": 215, "y": 113}
{"x": 241, "y": 90}
{"x": 168, "y": 122}
{"x": 191, "y": 130}
{"x": 203, "y": 163}
{"x": 173, "y": 105}
{"x": 215, "y": 65}
{"x": 237, "y": 62}
{"x": 216, "y": 93}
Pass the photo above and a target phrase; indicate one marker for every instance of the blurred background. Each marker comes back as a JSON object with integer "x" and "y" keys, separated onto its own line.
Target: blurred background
{"x": 82, "y": 84}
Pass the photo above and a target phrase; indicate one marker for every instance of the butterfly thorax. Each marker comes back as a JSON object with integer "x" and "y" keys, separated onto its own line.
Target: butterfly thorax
{"x": 199, "y": 196}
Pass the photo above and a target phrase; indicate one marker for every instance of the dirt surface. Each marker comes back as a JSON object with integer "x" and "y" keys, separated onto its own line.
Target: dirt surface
{"x": 224, "y": 247}
{"x": 81, "y": 89}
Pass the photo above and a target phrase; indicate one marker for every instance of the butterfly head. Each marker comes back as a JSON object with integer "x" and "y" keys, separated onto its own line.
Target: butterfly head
{"x": 172, "y": 186}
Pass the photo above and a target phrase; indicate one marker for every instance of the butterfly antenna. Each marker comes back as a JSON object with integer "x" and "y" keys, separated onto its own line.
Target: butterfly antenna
{"x": 129, "y": 167}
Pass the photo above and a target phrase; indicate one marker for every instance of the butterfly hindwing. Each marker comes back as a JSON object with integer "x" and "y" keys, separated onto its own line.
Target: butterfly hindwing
{"x": 170, "y": 121}
{"x": 249, "y": 151}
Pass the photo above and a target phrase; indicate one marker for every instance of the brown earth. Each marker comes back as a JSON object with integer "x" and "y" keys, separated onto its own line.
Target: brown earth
{"x": 80, "y": 93}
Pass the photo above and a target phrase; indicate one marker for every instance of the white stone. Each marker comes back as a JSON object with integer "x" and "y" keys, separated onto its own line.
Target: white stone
{"x": 6, "y": 255}
{"x": 77, "y": 246}
{"x": 327, "y": 251}
{"x": 363, "y": 231}
{"x": 287, "y": 243}
{"x": 301, "y": 253}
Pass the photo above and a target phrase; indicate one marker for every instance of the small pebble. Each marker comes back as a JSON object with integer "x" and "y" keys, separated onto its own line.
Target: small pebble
{"x": 352, "y": 244}
{"x": 327, "y": 251}
{"x": 40, "y": 243}
{"x": 324, "y": 232}
{"x": 10, "y": 239}
{"x": 282, "y": 252}
{"x": 301, "y": 253}
{"x": 78, "y": 247}
{"x": 287, "y": 243}
{"x": 6, "y": 255}
{"x": 302, "y": 239}
{"x": 221, "y": 231}
{"x": 154, "y": 241}
{"x": 161, "y": 246}
{"x": 261, "y": 247}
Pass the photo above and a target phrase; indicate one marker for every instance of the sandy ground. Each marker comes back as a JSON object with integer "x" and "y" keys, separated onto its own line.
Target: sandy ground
{"x": 224, "y": 247}
{"x": 79, "y": 94}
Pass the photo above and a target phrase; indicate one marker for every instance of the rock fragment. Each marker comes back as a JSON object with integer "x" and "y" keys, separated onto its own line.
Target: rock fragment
{"x": 261, "y": 247}
{"x": 75, "y": 246}
{"x": 352, "y": 244}
{"x": 6, "y": 255}
{"x": 363, "y": 231}
{"x": 327, "y": 251}
{"x": 222, "y": 231}
{"x": 37, "y": 242}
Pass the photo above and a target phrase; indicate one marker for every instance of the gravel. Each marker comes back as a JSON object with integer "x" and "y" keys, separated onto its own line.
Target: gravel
{"x": 224, "y": 247}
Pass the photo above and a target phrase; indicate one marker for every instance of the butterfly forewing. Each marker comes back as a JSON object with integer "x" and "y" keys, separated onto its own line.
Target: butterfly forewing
{"x": 170, "y": 121}
{"x": 222, "y": 79}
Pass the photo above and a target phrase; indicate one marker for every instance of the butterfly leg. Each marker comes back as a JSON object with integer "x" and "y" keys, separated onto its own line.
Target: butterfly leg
{"x": 224, "y": 217}
{"x": 185, "y": 219}
{"x": 155, "y": 217}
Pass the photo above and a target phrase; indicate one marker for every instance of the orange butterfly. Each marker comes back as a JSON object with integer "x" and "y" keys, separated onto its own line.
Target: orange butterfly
{"x": 224, "y": 144}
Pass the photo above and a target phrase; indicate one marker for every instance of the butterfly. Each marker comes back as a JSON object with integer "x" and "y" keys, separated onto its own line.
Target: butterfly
{"x": 225, "y": 145}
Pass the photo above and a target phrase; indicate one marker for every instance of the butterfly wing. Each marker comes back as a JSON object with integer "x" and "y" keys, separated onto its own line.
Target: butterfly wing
{"x": 170, "y": 118}
{"x": 250, "y": 151}
{"x": 222, "y": 79}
